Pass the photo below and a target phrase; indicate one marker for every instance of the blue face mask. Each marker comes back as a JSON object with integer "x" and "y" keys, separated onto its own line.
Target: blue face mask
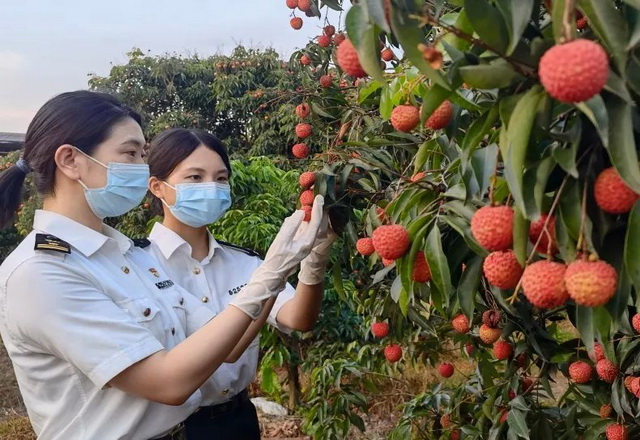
{"x": 200, "y": 204}
{"x": 126, "y": 187}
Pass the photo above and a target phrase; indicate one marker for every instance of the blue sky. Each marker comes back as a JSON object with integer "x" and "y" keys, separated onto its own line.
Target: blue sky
{"x": 50, "y": 46}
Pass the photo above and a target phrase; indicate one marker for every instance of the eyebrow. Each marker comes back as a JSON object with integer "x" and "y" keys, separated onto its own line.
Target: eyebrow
{"x": 134, "y": 142}
{"x": 203, "y": 171}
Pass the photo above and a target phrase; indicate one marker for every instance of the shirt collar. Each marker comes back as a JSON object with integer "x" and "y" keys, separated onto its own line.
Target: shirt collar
{"x": 168, "y": 241}
{"x": 81, "y": 237}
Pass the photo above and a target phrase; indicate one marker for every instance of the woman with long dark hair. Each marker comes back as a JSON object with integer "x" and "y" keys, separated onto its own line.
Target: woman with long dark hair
{"x": 103, "y": 342}
{"x": 190, "y": 174}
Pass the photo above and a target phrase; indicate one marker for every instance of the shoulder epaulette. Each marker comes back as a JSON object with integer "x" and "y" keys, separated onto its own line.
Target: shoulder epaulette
{"x": 46, "y": 242}
{"x": 247, "y": 251}
{"x": 141, "y": 242}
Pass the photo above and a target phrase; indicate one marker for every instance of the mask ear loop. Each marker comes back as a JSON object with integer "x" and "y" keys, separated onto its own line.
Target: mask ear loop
{"x": 93, "y": 159}
{"x": 173, "y": 188}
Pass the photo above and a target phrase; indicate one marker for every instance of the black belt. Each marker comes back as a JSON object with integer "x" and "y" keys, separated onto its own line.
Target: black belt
{"x": 177, "y": 433}
{"x": 212, "y": 411}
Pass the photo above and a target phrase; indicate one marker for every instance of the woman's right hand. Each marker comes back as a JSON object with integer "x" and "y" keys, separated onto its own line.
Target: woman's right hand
{"x": 292, "y": 244}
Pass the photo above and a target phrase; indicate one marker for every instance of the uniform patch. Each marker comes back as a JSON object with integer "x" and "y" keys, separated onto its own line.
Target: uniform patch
{"x": 247, "y": 251}
{"x": 154, "y": 272}
{"x": 164, "y": 284}
{"x": 236, "y": 289}
{"x": 46, "y": 242}
{"x": 141, "y": 242}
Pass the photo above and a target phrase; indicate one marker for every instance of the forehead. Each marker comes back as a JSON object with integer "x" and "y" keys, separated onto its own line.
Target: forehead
{"x": 125, "y": 131}
{"x": 203, "y": 158}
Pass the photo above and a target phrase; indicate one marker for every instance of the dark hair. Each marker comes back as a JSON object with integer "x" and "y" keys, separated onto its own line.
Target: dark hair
{"x": 171, "y": 147}
{"x": 82, "y": 118}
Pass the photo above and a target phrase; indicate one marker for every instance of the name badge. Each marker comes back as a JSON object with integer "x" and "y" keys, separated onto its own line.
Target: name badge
{"x": 164, "y": 284}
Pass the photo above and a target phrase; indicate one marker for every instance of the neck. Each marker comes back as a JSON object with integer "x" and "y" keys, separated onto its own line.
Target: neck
{"x": 78, "y": 212}
{"x": 196, "y": 237}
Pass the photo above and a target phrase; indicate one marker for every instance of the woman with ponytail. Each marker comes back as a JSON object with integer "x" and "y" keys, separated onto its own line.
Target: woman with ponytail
{"x": 104, "y": 344}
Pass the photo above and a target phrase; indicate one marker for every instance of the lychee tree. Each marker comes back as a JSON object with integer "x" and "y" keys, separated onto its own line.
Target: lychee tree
{"x": 499, "y": 148}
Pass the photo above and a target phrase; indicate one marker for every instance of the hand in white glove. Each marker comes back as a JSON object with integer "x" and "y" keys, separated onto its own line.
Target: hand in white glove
{"x": 292, "y": 244}
{"x": 313, "y": 267}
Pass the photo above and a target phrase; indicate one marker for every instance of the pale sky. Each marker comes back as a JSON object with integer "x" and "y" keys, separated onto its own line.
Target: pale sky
{"x": 50, "y": 46}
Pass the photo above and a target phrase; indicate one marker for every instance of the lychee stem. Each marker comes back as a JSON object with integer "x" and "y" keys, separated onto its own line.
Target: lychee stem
{"x": 568, "y": 21}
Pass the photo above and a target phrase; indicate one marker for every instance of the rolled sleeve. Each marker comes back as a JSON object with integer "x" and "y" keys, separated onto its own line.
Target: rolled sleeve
{"x": 59, "y": 308}
{"x": 284, "y": 296}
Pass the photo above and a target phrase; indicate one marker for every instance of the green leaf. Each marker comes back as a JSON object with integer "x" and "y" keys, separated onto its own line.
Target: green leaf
{"x": 584, "y": 324}
{"x": 364, "y": 37}
{"x": 438, "y": 263}
{"x": 495, "y": 75}
{"x": 610, "y": 26}
{"x": 622, "y": 146}
{"x": 518, "y": 137}
{"x": 375, "y": 12}
{"x": 632, "y": 246}
{"x": 517, "y": 14}
{"x": 407, "y": 30}
{"x": 468, "y": 286}
{"x": 535, "y": 183}
{"x": 431, "y": 100}
{"x": 597, "y": 429}
{"x": 488, "y": 24}
{"x": 520, "y": 235}
{"x": 566, "y": 157}
{"x": 517, "y": 421}
{"x": 595, "y": 110}
{"x": 484, "y": 162}
{"x": 463, "y": 24}
{"x": 477, "y": 131}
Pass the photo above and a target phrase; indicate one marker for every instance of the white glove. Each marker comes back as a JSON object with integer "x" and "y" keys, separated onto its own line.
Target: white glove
{"x": 292, "y": 244}
{"x": 313, "y": 267}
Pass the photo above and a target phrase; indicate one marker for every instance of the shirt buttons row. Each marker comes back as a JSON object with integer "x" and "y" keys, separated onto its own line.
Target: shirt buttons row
{"x": 225, "y": 391}
{"x": 196, "y": 270}
{"x": 125, "y": 269}
{"x": 205, "y": 299}
{"x": 173, "y": 330}
{"x": 147, "y": 312}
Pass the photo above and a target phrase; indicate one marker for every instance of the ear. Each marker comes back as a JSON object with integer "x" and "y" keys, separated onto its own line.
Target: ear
{"x": 66, "y": 159}
{"x": 156, "y": 187}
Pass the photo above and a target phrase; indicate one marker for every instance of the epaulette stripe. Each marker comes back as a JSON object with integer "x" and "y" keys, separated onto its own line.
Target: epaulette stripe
{"x": 247, "y": 251}
{"x": 46, "y": 242}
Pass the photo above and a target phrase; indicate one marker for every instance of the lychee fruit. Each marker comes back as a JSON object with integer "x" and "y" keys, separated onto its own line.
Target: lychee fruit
{"x": 300, "y": 151}
{"x": 575, "y": 71}
{"x": 387, "y": 262}
{"x": 598, "y": 352}
{"x": 417, "y": 176}
{"x": 582, "y": 23}
{"x": 536, "y": 229}
{"x": 292, "y": 4}
{"x": 606, "y": 370}
{"x": 303, "y": 110}
{"x": 307, "y": 212}
{"x": 521, "y": 360}
{"x": 635, "y": 322}
{"x": 380, "y": 329}
{"x": 421, "y": 271}
{"x": 296, "y": 23}
{"x": 446, "y": 369}
{"x": 391, "y": 241}
{"x": 616, "y": 432}
{"x": 304, "y": 5}
{"x": 326, "y": 81}
{"x": 469, "y": 348}
{"x": 489, "y": 335}
{"x": 460, "y": 323}
{"x": 329, "y": 30}
{"x": 492, "y": 227}
{"x": 629, "y": 383}
{"x": 365, "y": 246}
{"x": 303, "y": 130}
{"x": 543, "y": 284}
{"x": 527, "y": 384}
{"x": 445, "y": 421}
{"x": 580, "y": 372}
{"x": 502, "y": 269}
{"x": 324, "y": 41}
{"x": 307, "y": 179}
{"x": 606, "y": 411}
{"x": 305, "y": 60}
{"x": 455, "y": 434}
{"x": 306, "y": 197}
{"x": 441, "y": 117}
{"x": 339, "y": 39}
{"x": 591, "y": 283}
{"x": 612, "y": 194}
{"x": 502, "y": 350}
{"x": 635, "y": 386}
{"x": 387, "y": 55}
{"x": 504, "y": 416}
{"x": 347, "y": 58}
{"x": 405, "y": 118}
{"x": 393, "y": 352}
{"x": 491, "y": 318}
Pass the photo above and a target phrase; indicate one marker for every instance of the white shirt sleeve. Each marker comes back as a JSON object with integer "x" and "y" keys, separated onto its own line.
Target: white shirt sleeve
{"x": 61, "y": 309}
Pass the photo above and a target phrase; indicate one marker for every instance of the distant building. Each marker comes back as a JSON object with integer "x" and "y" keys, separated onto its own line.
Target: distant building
{"x": 10, "y": 142}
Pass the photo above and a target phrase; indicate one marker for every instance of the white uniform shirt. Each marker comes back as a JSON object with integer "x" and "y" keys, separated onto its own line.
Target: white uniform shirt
{"x": 73, "y": 321}
{"x": 214, "y": 281}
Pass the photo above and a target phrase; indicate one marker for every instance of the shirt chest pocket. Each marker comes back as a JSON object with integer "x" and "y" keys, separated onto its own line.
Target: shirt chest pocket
{"x": 146, "y": 313}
